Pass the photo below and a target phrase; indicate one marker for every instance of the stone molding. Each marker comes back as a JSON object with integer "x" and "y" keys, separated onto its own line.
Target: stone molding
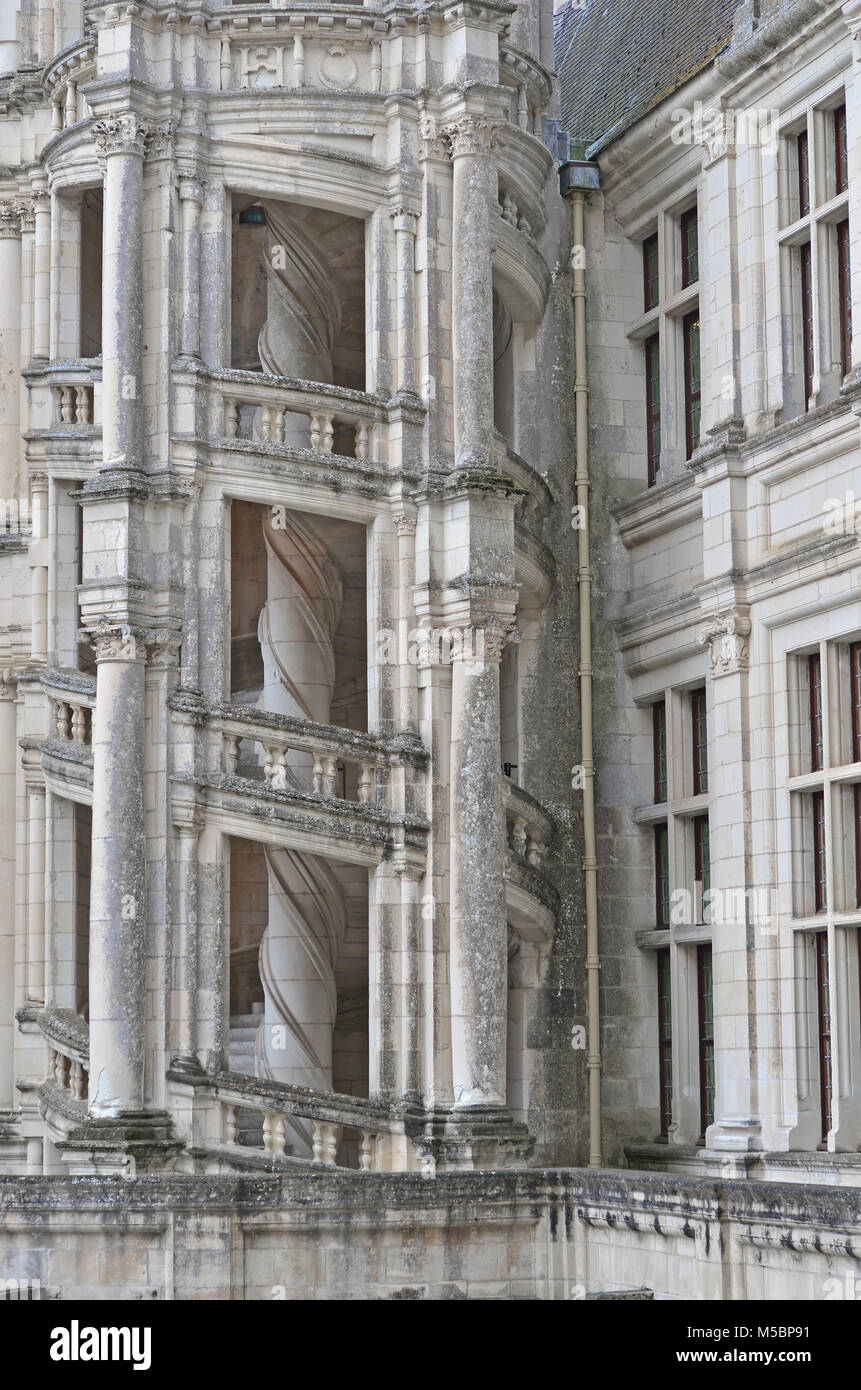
{"x": 123, "y": 134}
{"x": 726, "y": 634}
{"x": 10, "y": 221}
{"x": 124, "y": 642}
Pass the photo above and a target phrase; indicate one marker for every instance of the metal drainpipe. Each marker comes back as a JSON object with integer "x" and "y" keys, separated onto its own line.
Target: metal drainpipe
{"x": 577, "y": 178}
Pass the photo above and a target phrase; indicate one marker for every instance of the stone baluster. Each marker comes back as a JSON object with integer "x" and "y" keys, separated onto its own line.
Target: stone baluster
{"x": 298, "y": 61}
{"x": 363, "y": 440}
{"x": 79, "y": 724}
{"x": 228, "y": 1123}
{"x": 61, "y": 1069}
{"x": 366, "y": 1150}
{"x": 231, "y": 418}
{"x": 82, "y": 405}
{"x": 318, "y": 774}
{"x": 330, "y": 776}
{"x": 71, "y": 105}
{"x": 67, "y": 405}
{"x": 366, "y": 782}
{"x": 325, "y": 1142}
{"x": 518, "y": 837}
{"x": 62, "y": 719}
{"x": 522, "y": 108}
{"x": 230, "y": 751}
{"x": 275, "y": 767}
{"x": 77, "y": 1081}
{"x": 534, "y": 851}
{"x": 56, "y": 115}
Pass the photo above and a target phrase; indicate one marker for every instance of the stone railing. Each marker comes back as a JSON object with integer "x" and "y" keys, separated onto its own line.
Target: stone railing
{"x": 62, "y": 81}
{"x": 537, "y": 497}
{"x": 244, "y": 1117}
{"x": 73, "y": 699}
{"x": 529, "y": 828}
{"x": 66, "y": 394}
{"x": 68, "y": 1038}
{"x": 331, "y": 419}
{"x": 342, "y": 764}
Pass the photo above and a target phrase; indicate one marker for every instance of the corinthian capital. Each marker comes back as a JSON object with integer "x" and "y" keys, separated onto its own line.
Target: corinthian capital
{"x": 725, "y": 634}
{"x": 469, "y": 135}
{"x": 10, "y": 221}
{"x": 122, "y": 134}
{"x": 115, "y": 641}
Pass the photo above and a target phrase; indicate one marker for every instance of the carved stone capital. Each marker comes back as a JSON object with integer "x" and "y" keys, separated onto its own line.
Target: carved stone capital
{"x": 190, "y": 179}
{"x": 432, "y": 144}
{"x": 469, "y": 135}
{"x": 10, "y": 221}
{"x": 725, "y": 634}
{"x": 122, "y": 134}
{"x": 8, "y": 683}
{"x": 405, "y": 523}
{"x": 496, "y": 635}
{"x": 40, "y": 196}
{"x": 26, "y": 216}
{"x": 115, "y": 641}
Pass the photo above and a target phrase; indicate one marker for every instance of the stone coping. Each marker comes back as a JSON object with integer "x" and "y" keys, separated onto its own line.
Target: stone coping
{"x": 381, "y": 1194}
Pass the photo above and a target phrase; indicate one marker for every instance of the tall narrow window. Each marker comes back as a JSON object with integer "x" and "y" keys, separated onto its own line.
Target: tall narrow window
{"x": 699, "y": 731}
{"x": 691, "y": 344}
{"x": 855, "y": 697}
{"x": 702, "y": 866}
{"x": 690, "y": 248}
{"x": 820, "y": 892}
{"x": 665, "y": 1040}
{"x": 806, "y": 322}
{"x": 803, "y": 175}
{"x": 653, "y": 407}
{"x": 858, "y": 845}
{"x": 662, "y": 876}
{"x": 844, "y": 297}
{"x": 814, "y": 677}
{"x": 823, "y": 1002}
{"x": 706, "y": 1038}
{"x": 651, "y": 276}
{"x": 841, "y": 167}
{"x": 659, "y": 747}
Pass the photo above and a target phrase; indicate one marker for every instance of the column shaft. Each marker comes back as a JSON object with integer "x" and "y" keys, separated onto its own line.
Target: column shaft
{"x": 472, "y": 294}
{"x": 10, "y": 346}
{"x": 117, "y": 883}
{"x": 42, "y": 271}
{"x": 478, "y": 929}
{"x": 36, "y": 893}
{"x": 122, "y": 142}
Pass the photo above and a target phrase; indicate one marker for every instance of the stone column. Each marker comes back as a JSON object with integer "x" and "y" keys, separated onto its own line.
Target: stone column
{"x": 472, "y": 293}
{"x": 405, "y": 259}
{"x": 36, "y": 892}
{"x": 120, "y": 141}
{"x": 10, "y": 346}
{"x": 737, "y": 1123}
{"x": 8, "y": 760}
{"x": 41, "y": 269}
{"x": 479, "y": 964}
{"x": 38, "y": 561}
{"x": 191, "y": 202}
{"x": 117, "y": 882}
{"x": 184, "y": 994}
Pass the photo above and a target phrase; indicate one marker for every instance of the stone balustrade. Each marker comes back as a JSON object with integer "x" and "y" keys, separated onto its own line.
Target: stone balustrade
{"x": 67, "y": 1036}
{"x": 63, "y": 80}
{"x": 246, "y": 1116}
{"x": 72, "y": 703}
{"x": 529, "y": 827}
{"x": 342, "y": 764}
{"x": 537, "y": 498}
{"x": 297, "y": 414}
{"x": 66, "y": 394}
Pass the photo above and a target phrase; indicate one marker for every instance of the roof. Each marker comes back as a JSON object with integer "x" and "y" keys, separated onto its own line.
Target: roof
{"x": 616, "y": 59}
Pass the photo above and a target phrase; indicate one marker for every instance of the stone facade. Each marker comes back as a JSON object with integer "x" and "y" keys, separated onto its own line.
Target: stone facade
{"x": 293, "y": 953}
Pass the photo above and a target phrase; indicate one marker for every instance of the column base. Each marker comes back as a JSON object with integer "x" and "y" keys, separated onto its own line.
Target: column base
{"x": 736, "y": 1134}
{"x": 467, "y": 1140}
{"x": 122, "y": 1145}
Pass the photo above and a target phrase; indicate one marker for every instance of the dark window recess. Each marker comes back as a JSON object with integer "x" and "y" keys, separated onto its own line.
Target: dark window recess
{"x": 814, "y": 677}
{"x": 806, "y": 321}
{"x": 702, "y": 865}
{"x": 823, "y": 1009}
{"x": 855, "y": 697}
{"x": 651, "y": 276}
{"x": 699, "y": 732}
{"x": 690, "y": 248}
{"x": 858, "y": 847}
{"x": 653, "y": 407}
{"x": 659, "y": 746}
{"x": 255, "y": 216}
{"x": 844, "y": 297}
{"x": 841, "y": 167}
{"x": 691, "y": 339}
{"x": 803, "y": 175}
{"x": 662, "y": 876}
{"x": 820, "y": 892}
{"x": 665, "y": 1039}
{"x": 706, "y": 1038}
